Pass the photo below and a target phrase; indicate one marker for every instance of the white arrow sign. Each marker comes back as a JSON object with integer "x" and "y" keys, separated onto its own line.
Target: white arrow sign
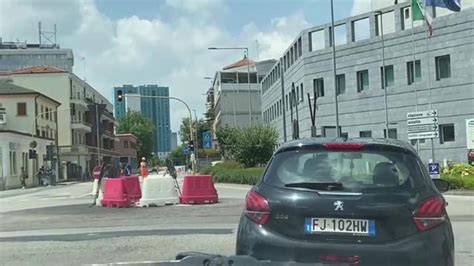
{"x": 422, "y": 128}
{"x": 422, "y": 114}
{"x": 423, "y": 135}
{"x": 422, "y": 121}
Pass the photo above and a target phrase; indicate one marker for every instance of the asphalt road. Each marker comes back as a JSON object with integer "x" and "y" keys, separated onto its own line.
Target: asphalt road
{"x": 55, "y": 226}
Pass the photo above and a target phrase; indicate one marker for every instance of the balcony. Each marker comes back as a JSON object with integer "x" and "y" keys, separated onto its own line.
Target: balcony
{"x": 74, "y": 150}
{"x": 81, "y": 126}
{"x": 79, "y": 103}
{"x": 103, "y": 152}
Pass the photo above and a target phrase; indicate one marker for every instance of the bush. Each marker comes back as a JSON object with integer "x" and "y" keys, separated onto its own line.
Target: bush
{"x": 460, "y": 176}
{"x": 232, "y": 172}
{"x": 250, "y": 146}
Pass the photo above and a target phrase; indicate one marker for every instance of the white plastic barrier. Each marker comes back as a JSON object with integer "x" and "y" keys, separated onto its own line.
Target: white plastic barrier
{"x": 95, "y": 186}
{"x": 158, "y": 190}
{"x": 98, "y": 201}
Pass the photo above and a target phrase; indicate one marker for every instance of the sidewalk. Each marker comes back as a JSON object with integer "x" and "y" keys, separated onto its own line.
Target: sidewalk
{"x": 29, "y": 190}
{"x": 460, "y": 192}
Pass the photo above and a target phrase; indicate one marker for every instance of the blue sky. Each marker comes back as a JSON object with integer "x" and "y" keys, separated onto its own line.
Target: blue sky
{"x": 243, "y": 11}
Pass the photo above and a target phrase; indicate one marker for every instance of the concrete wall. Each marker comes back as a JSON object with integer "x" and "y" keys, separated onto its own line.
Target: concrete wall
{"x": 360, "y": 111}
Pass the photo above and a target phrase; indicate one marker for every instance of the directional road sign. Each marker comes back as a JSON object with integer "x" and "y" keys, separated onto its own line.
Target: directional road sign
{"x": 422, "y": 128}
{"x": 423, "y": 135}
{"x": 422, "y": 114}
{"x": 422, "y": 121}
{"x": 423, "y": 124}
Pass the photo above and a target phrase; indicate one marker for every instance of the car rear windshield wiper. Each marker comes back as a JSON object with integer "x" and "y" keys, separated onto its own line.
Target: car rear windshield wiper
{"x": 317, "y": 185}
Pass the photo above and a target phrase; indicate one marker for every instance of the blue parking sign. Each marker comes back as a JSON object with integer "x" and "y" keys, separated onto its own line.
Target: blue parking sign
{"x": 433, "y": 168}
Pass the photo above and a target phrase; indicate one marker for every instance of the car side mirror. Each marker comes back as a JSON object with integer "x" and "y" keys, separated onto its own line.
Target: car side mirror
{"x": 441, "y": 184}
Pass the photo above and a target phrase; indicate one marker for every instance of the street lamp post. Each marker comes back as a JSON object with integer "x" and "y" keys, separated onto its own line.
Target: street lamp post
{"x": 380, "y": 14}
{"x": 248, "y": 73}
{"x": 333, "y": 38}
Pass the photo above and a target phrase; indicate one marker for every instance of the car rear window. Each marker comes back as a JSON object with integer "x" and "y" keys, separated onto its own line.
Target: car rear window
{"x": 356, "y": 170}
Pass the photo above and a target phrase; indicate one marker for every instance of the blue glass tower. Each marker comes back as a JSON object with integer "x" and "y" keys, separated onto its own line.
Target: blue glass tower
{"x": 157, "y": 110}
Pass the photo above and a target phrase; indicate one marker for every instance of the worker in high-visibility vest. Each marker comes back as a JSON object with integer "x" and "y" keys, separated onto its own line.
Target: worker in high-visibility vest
{"x": 143, "y": 168}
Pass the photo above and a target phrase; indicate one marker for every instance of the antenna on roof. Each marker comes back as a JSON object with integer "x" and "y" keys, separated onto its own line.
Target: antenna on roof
{"x": 47, "y": 38}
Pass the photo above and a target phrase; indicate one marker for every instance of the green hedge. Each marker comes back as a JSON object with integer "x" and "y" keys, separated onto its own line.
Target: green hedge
{"x": 460, "y": 176}
{"x": 232, "y": 172}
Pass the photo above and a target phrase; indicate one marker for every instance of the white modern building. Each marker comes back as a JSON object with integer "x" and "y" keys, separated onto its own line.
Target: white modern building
{"x": 20, "y": 114}
{"x": 18, "y": 55}
{"x": 237, "y": 102}
{"x": 421, "y": 73}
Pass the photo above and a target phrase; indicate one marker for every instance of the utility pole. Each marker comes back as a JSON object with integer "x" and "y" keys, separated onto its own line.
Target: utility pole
{"x": 338, "y": 133}
{"x": 97, "y": 133}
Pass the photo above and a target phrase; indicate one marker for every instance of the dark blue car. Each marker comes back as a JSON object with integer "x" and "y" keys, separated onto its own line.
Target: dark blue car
{"x": 350, "y": 202}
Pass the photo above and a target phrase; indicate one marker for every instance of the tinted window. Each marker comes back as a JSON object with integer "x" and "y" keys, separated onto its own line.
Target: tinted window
{"x": 356, "y": 170}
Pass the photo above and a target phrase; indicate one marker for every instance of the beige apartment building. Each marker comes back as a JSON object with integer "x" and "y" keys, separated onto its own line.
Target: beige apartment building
{"x": 77, "y": 121}
{"x": 21, "y": 123}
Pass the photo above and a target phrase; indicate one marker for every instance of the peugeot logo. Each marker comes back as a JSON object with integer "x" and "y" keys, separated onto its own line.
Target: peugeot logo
{"x": 339, "y": 205}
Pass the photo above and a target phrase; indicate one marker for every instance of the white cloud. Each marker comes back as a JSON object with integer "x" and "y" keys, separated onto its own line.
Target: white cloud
{"x": 137, "y": 51}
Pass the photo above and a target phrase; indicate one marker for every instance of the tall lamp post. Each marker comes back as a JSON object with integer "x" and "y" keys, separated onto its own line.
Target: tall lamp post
{"x": 248, "y": 73}
{"x": 384, "y": 87}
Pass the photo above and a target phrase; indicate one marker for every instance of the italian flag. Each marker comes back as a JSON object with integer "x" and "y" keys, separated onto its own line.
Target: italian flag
{"x": 420, "y": 13}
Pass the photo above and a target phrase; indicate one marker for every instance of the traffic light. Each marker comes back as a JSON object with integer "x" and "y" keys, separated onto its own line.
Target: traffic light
{"x": 191, "y": 146}
{"x": 119, "y": 95}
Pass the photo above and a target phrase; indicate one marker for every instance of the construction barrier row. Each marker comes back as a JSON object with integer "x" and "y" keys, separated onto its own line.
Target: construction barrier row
{"x": 156, "y": 190}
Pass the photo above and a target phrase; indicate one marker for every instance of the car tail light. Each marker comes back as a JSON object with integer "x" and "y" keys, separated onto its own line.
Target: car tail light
{"x": 257, "y": 208}
{"x": 343, "y": 146}
{"x": 331, "y": 259}
{"x": 430, "y": 213}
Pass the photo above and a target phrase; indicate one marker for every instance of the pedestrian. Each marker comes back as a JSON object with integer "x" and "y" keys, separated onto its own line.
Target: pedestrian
{"x": 128, "y": 170}
{"x": 23, "y": 177}
{"x": 143, "y": 168}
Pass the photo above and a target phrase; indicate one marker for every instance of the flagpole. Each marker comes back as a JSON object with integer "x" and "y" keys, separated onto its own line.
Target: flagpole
{"x": 429, "y": 82}
{"x": 414, "y": 70}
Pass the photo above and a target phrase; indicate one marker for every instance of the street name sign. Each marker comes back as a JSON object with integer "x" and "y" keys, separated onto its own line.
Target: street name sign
{"x": 423, "y": 125}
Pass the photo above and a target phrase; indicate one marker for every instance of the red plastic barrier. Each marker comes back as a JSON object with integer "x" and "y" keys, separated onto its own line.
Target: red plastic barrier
{"x": 132, "y": 187}
{"x": 115, "y": 194}
{"x": 198, "y": 189}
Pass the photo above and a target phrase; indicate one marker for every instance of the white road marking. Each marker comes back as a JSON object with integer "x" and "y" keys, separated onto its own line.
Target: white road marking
{"x": 232, "y": 187}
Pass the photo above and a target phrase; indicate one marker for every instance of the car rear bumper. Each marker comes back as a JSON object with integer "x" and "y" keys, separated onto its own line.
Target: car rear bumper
{"x": 435, "y": 247}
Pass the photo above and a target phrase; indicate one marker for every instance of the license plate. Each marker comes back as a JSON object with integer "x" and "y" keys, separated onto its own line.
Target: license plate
{"x": 340, "y": 226}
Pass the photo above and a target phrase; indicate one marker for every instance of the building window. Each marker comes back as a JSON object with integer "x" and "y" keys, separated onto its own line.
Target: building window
{"x": 389, "y": 76}
{"x": 125, "y": 144}
{"x": 47, "y": 113}
{"x": 281, "y": 108}
{"x": 287, "y": 105}
{"x": 316, "y": 40}
{"x": 413, "y": 75}
{"x": 446, "y": 133}
{"x": 341, "y": 84}
{"x": 300, "y": 50}
{"x": 443, "y": 67}
{"x": 42, "y": 111}
{"x": 362, "y": 80}
{"x": 365, "y": 134}
{"x": 21, "y": 109}
{"x": 302, "y": 93}
{"x": 318, "y": 86}
{"x": 13, "y": 166}
{"x": 392, "y": 133}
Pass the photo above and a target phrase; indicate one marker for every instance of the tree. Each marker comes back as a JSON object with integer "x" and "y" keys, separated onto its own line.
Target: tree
{"x": 250, "y": 146}
{"x": 202, "y": 126}
{"x": 178, "y": 156}
{"x": 140, "y": 126}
